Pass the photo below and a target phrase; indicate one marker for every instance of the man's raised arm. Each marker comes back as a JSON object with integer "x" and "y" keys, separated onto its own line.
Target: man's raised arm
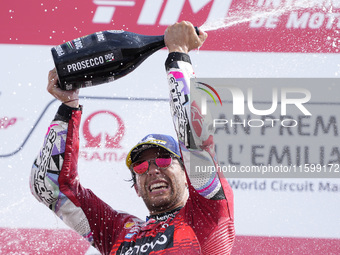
{"x": 195, "y": 139}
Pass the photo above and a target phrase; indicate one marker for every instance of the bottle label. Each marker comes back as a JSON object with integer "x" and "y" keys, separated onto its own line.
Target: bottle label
{"x": 85, "y": 64}
{"x": 68, "y": 86}
{"x": 92, "y": 62}
{"x": 100, "y": 37}
{"x": 75, "y": 44}
{"x": 59, "y": 50}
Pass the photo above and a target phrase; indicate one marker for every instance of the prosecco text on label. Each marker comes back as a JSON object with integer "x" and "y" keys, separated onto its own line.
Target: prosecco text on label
{"x": 84, "y": 64}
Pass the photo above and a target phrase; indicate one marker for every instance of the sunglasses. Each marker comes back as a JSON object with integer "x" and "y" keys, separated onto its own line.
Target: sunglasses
{"x": 141, "y": 167}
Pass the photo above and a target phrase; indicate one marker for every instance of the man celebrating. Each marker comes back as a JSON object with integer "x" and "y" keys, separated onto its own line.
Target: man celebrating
{"x": 188, "y": 214}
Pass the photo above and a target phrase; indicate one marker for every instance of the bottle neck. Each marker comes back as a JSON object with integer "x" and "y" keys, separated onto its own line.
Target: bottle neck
{"x": 154, "y": 43}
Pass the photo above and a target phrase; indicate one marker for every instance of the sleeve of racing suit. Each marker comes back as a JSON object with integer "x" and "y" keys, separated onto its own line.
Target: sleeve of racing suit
{"x": 194, "y": 131}
{"x": 55, "y": 182}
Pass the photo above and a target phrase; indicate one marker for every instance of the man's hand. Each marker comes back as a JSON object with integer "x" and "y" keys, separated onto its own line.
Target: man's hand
{"x": 69, "y": 98}
{"x": 182, "y": 37}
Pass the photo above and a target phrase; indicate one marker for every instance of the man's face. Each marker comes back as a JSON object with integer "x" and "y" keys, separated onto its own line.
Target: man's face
{"x": 161, "y": 189}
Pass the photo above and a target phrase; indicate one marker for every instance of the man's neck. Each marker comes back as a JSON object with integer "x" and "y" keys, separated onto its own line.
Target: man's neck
{"x": 165, "y": 215}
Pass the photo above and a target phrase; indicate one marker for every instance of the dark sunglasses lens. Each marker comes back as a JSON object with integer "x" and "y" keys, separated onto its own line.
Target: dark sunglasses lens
{"x": 163, "y": 162}
{"x": 140, "y": 168}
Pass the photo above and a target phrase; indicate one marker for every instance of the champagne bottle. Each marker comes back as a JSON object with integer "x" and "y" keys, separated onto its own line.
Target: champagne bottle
{"x": 102, "y": 57}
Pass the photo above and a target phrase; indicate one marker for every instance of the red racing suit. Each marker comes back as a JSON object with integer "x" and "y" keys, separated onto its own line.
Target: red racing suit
{"x": 205, "y": 225}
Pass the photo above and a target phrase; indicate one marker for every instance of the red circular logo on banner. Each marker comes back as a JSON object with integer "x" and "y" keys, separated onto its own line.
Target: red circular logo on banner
{"x": 95, "y": 141}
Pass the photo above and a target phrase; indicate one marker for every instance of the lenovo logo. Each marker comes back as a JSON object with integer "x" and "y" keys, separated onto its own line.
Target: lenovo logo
{"x": 159, "y": 12}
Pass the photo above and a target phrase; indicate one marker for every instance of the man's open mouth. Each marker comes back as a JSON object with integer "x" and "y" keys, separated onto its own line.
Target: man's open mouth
{"x": 158, "y": 186}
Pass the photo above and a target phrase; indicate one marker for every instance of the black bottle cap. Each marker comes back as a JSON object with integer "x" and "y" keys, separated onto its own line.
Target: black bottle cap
{"x": 197, "y": 31}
